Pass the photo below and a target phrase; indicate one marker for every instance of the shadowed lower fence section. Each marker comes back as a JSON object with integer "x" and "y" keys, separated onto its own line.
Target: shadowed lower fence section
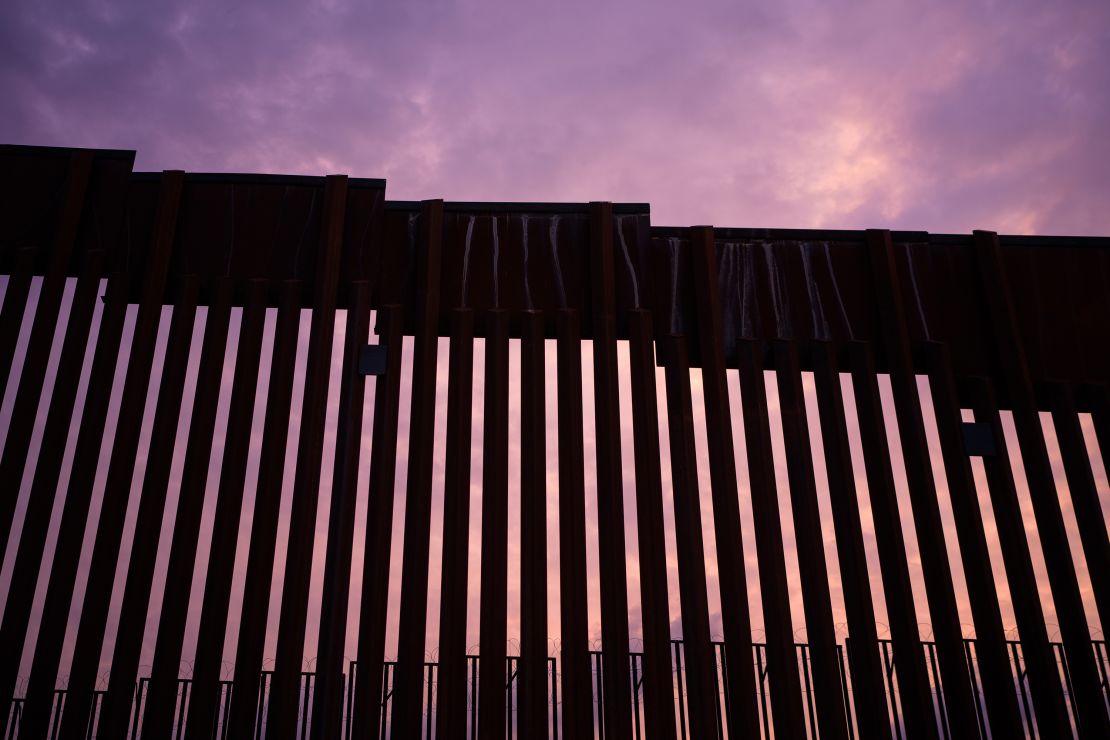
{"x": 727, "y": 435}
{"x": 678, "y": 678}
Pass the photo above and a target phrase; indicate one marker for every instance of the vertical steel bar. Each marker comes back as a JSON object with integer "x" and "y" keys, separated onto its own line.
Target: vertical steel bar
{"x": 13, "y": 310}
{"x": 688, "y": 539}
{"x": 1084, "y": 495}
{"x": 63, "y": 572}
{"x": 817, "y": 600}
{"x": 285, "y": 688}
{"x": 217, "y": 585}
{"x": 369, "y": 710}
{"x": 116, "y": 708}
{"x": 913, "y": 681}
{"x": 863, "y": 650}
{"x": 1036, "y": 650}
{"x": 654, "y": 599}
{"x": 36, "y": 521}
{"x": 532, "y": 715}
{"x": 1089, "y": 700}
{"x": 407, "y": 694}
{"x": 451, "y": 702}
{"x": 610, "y": 490}
{"x": 928, "y": 526}
{"x": 577, "y": 692}
{"x": 25, "y": 409}
{"x": 117, "y": 489}
{"x": 742, "y": 713}
{"x": 782, "y": 663}
{"x": 1099, "y": 399}
{"x": 495, "y": 513}
{"x": 994, "y": 665}
{"x": 245, "y": 712}
{"x": 327, "y": 701}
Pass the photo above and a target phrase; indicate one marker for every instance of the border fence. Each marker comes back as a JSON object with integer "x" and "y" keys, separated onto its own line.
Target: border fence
{"x": 997, "y": 344}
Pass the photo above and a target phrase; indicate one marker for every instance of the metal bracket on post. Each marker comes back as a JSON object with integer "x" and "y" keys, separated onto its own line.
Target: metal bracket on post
{"x": 372, "y": 360}
{"x": 979, "y": 439}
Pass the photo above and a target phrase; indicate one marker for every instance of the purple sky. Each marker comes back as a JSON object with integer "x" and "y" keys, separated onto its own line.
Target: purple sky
{"x": 943, "y": 116}
{"x": 948, "y": 117}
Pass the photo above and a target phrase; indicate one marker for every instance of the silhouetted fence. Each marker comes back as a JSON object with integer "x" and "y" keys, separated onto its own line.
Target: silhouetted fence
{"x": 887, "y": 343}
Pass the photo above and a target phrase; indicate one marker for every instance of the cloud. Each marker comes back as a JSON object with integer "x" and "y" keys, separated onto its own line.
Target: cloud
{"x": 945, "y": 117}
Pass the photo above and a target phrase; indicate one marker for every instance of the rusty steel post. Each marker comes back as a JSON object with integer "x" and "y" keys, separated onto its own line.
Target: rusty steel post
{"x": 13, "y": 310}
{"x": 532, "y": 678}
{"x": 451, "y": 699}
{"x": 285, "y": 690}
{"x": 658, "y": 681}
{"x": 742, "y": 711}
{"x": 701, "y": 667}
{"x": 610, "y": 491}
{"x": 495, "y": 531}
{"x": 408, "y": 684}
{"x": 577, "y": 678}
